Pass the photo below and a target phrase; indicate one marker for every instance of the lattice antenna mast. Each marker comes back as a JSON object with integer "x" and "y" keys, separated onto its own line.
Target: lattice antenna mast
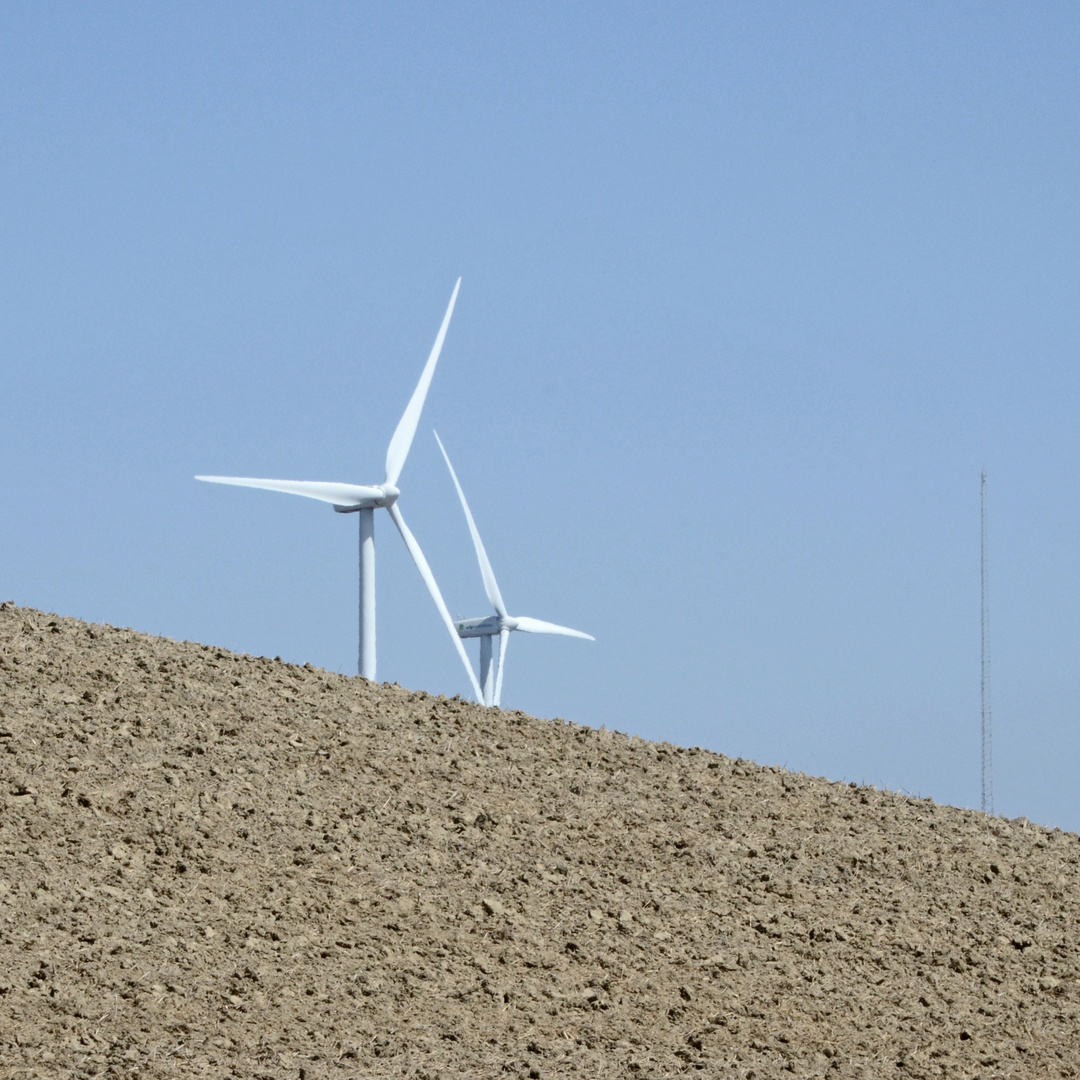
{"x": 984, "y": 576}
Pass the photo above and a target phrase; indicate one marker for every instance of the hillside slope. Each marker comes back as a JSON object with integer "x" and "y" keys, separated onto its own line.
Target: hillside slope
{"x": 220, "y": 865}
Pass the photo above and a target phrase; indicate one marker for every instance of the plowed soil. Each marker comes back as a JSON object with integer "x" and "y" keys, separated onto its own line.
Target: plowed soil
{"x": 226, "y": 866}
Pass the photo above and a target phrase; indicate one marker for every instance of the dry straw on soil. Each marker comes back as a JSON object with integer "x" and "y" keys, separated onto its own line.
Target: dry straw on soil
{"x": 224, "y": 866}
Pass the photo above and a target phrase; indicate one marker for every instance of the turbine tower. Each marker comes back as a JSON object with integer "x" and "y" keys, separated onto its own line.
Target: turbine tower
{"x": 364, "y": 501}
{"x": 500, "y": 624}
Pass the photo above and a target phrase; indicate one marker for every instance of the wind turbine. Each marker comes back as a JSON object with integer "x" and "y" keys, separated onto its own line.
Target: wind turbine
{"x": 501, "y": 623}
{"x": 363, "y": 501}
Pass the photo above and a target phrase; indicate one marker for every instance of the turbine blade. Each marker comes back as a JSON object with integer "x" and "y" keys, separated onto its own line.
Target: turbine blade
{"x": 538, "y": 626}
{"x": 491, "y": 586}
{"x": 504, "y": 640}
{"x": 433, "y": 588}
{"x": 338, "y": 494}
{"x": 398, "y": 450}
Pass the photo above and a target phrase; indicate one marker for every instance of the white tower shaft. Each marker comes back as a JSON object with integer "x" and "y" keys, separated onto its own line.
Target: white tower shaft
{"x": 487, "y": 680}
{"x": 367, "y": 593}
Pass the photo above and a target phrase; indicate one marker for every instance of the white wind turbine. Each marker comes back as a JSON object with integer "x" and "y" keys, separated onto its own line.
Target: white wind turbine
{"x": 501, "y": 623}
{"x": 363, "y": 501}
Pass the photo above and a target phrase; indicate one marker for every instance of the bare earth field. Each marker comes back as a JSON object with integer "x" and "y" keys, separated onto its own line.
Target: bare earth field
{"x": 226, "y": 866}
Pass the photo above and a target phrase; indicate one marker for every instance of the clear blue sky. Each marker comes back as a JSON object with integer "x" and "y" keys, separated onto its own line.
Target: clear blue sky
{"x": 751, "y": 294}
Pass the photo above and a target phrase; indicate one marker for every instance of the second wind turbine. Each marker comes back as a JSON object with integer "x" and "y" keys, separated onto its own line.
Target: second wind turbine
{"x": 502, "y": 623}
{"x": 364, "y": 501}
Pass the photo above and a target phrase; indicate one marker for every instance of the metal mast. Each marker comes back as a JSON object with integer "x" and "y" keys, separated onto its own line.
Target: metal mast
{"x": 984, "y": 576}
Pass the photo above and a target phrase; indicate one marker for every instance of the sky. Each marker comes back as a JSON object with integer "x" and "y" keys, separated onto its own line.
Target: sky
{"x": 751, "y": 294}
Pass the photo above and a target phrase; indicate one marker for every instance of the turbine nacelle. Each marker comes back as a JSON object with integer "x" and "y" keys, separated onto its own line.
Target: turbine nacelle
{"x": 386, "y": 497}
{"x": 485, "y": 626}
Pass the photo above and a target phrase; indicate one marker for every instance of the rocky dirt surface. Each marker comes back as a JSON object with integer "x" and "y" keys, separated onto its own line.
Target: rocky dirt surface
{"x": 226, "y": 866}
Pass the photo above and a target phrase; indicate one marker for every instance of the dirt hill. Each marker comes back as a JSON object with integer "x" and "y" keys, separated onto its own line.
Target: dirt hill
{"x": 227, "y": 866}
